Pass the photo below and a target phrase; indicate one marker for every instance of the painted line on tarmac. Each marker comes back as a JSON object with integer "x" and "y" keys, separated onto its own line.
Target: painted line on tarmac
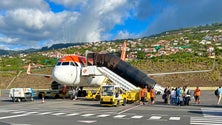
{"x": 128, "y": 109}
{"x": 15, "y": 116}
{"x": 87, "y": 121}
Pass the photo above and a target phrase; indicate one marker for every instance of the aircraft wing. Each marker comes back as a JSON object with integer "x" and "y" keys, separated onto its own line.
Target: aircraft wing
{"x": 183, "y": 72}
{"x": 29, "y": 73}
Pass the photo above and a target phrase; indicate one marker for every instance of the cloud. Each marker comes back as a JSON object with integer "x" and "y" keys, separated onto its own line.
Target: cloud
{"x": 126, "y": 35}
{"x": 2, "y": 47}
{"x": 178, "y": 14}
{"x": 70, "y": 3}
{"x": 95, "y": 19}
{"x": 8, "y": 40}
{"x": 25, "y": 4}
{"x": 32, "y": 26}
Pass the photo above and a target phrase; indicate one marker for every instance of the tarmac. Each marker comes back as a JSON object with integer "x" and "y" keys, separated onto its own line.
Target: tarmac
{"x": 79, "y": 112}
{"x": 4, "y": 92}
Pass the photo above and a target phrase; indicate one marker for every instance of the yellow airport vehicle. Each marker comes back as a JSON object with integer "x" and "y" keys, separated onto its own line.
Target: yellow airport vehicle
{"x": 54, "y": 92}
{"x": 112, "y": 95}
{"x": 132, "y": 96}
{"x": 93, "y": 94}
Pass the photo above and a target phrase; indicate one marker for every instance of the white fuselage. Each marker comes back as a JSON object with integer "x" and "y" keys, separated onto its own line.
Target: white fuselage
{"x": 69, "y": 73}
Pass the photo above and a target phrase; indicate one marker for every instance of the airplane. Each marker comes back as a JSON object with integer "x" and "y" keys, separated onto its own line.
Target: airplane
{"x": 68, "y": 70}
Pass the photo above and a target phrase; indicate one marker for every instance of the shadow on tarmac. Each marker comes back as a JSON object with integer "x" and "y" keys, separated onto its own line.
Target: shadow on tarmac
{"x": 162, "y": 104}
{"x": 212, "y": 113}
{"x": 92, "y": 105}
{"x": 3, "y": 123}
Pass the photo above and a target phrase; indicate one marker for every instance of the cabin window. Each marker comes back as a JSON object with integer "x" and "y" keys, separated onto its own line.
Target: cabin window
{"x": 58, "y": 64}
{"x": 65, "y": 63}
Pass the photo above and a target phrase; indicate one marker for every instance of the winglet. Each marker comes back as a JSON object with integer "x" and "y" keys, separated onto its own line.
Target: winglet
{"x": 29, "y": 69}
{"x": 123, "y": 54}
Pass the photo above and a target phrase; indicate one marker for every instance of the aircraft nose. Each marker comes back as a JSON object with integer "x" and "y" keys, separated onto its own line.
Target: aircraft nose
{"x": 57, "y": 74}
{"x": 65, "y": 75}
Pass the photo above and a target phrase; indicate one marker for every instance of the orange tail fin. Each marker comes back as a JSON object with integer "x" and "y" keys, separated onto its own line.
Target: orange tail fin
{"x": 123, "y": 54}
{"x": 29, "y": 69}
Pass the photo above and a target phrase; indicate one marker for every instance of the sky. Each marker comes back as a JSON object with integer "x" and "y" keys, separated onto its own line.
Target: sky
{"x": 26, "y": 24}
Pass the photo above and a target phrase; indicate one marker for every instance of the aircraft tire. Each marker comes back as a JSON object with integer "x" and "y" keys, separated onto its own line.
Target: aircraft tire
{"x": 124, "y": 102}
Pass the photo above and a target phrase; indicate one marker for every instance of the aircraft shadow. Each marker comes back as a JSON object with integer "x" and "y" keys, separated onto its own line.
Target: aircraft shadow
{"x": 87, "y": 105}
{"x": 161, "y": 103}
{"x": 207, "y": 113}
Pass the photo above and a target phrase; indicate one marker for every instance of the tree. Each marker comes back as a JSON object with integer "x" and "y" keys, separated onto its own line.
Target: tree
{"x": 140, "y": 55}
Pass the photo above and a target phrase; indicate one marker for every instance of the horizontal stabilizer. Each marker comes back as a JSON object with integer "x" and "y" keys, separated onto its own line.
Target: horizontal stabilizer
{"x": 29, "y": 73}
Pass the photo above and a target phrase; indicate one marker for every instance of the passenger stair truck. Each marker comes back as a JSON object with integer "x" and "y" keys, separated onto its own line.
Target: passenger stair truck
{"x": 130, "y": 90}
{"x": 21, "y": 94}
{"x": 123, "y": 70}
{"x": 114, "y": 93}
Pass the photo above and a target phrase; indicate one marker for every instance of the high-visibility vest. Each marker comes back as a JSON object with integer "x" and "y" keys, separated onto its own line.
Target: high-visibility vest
{"x": 152, "y": 93}
{"x": 143, "y": 92}
{"x": 197, "y": 92}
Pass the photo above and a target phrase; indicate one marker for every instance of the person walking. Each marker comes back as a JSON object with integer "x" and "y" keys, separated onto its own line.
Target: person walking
{"x": 74, "y": 93}
{"x": 167, "y": 91}
{"x": 173, "y": 96}
{"x": 178, "y": 95}
{"x": 143, "y": 95}
{"x": 152, "y": 95}
{"x": 197, "y": 95}
{"x": 219, "y": 95}
{"x": 186, "y": 95}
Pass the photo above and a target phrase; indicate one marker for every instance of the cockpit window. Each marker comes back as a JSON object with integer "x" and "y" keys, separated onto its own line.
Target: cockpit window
{"x": 76, "y": 64}
{"x": 72, "y": 64}
{"x": 65, "y": 63}
{"x": 59, "y": 63}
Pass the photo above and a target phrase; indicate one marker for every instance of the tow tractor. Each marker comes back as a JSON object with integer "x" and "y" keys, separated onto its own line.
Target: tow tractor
{"x": 112, "y": 95}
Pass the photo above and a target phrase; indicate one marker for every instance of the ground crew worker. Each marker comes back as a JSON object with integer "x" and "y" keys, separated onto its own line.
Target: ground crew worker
{"x": 197, "y": 95}
{"x": 143, "y": 94}
{"x": 152, "y": 95}
{"x": 64, "y": 91}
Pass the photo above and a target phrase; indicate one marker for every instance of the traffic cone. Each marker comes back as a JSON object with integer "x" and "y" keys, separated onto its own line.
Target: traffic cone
{"x": 43, "y": 100}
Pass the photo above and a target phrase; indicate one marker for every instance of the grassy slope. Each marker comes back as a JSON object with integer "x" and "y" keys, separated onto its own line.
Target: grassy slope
{"x": 24, "y": 80}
